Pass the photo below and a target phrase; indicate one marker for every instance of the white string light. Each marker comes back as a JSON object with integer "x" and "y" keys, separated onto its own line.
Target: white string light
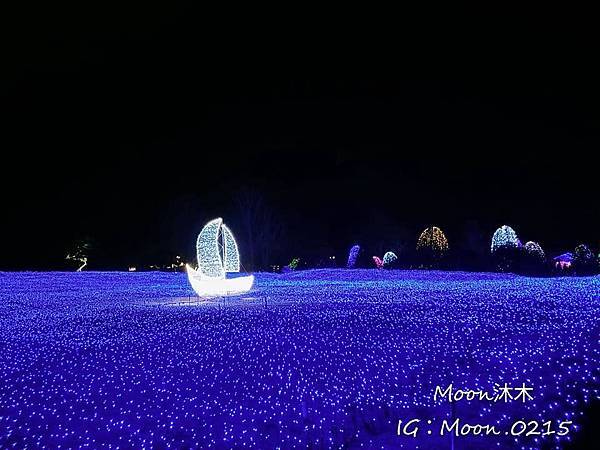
{"x": 231, "y": 256}
{"x": 208, "y": 250}
{"x": 215, "y": 258}
{"x": 434, "y": 239}
{"x": 504, "y": 236}
{"x": 389, "y": 258}
{"x": 534, "y": 249}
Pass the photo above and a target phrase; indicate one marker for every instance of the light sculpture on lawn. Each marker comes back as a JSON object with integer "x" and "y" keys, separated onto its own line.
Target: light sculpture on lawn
{"x": 504, "y": 237}
{"x": 217, "y": 254}
{"x": 534, "y": 249}
{"x": 389, "y": 258}
{"x": 434, "y": 240}
{"x": 353, "y": 256}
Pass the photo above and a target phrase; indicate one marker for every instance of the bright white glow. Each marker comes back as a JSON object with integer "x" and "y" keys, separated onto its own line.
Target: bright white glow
{"x": 208, "y": 250}
{"x": 231, "y": 256}
{"x": 211, "y": 287}
{"x": 217, "y": 254}
{"x": 504, "y": 236}
{"x": 389, "y": 258}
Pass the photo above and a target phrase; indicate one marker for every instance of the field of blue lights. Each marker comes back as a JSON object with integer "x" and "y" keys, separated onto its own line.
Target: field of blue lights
{"x": 309, "y": 359}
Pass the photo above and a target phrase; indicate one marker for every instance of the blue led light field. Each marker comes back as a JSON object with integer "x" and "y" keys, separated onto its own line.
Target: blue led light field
{"x": 310, "y": 359}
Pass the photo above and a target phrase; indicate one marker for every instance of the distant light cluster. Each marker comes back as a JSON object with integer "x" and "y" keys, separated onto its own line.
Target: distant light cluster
{"x": 353, "y": 256}
{"x": 534, "y": 249}
{"x": 320, "y": 359}
{"x": 583, "y": 253}
{"x": 433, "y": 239}
{"x": 504, "y": 237}
{"x": 389, "y": 258}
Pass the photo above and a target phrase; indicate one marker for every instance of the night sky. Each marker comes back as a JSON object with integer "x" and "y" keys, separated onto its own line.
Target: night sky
{"x": 134, "y": 134}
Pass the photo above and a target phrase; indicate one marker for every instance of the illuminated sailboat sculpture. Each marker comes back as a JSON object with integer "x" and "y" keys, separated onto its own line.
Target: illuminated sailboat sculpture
{"x": 217, "y": 255}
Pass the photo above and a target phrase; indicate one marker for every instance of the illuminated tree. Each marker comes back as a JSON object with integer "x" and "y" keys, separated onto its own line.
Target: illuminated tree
{"x": 389, "y": 258}
{"x": 504, "y": 237}
{"x": 79, "y": 253}
{"x": 583, "y": 260}
{"x": 532, "y": 260}
{"x": 378, "y": 262}
{"x": 506, "y": 249}
{"x": 434, "y": 240}
{"x": 583, "y": 253}
{"x": 353, "y": 256}
{"x": 534, "y": 250}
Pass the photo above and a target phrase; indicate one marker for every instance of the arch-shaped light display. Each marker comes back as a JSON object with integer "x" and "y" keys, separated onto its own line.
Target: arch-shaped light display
{"x": 389, "y": 258}
{"x": 504, "y": 236}
{"x": 217, "y": 254}
{"x": 433, "y": 239}
{"x": 535, "y": 250}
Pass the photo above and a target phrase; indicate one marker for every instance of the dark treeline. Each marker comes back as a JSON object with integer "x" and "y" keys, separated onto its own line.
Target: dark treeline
{"x": 271, "y": 236}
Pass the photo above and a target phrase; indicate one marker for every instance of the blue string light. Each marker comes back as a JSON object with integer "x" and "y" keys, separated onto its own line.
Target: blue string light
{"x": 334, "y": 359}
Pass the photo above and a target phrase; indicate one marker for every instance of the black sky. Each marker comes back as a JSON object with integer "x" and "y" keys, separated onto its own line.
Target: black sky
{"x": 135, "y": 128}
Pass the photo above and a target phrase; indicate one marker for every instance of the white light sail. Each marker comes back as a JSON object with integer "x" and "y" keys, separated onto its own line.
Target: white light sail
{"x": 231, "y": 256}
{"x": 209, "y": 254}
{"x": 209, "y": 280}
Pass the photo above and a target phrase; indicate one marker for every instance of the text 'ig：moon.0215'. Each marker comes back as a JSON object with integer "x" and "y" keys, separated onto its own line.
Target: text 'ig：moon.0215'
{"x": 217, "y": 254}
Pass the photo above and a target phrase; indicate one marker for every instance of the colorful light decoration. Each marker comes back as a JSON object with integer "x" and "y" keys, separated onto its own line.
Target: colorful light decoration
{"x": 217, "y": 254}
{"x": 353, "y": 256}
{"x": 564, "y": 261}
{"x": 378, "y": 262}
{"x": 534, "y": 249}
{"x": 504, "y": 237}
{"x": 389, "y": 258}
{"x": 433, "y": 239}
{"x": 293, "y": 265}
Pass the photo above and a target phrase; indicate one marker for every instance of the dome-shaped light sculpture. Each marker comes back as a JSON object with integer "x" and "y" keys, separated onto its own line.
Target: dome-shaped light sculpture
{"x": 535, "y": 250}
{"x": 504, "y": 236}
{"x": 217, "y": 254}
{"x": 389, "y": 258}
{"x": 433, "y": 239}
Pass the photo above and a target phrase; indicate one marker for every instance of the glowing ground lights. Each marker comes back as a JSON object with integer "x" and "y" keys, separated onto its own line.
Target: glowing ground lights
{"x": 333, "y": 359}
{"x": 217, "y": 255}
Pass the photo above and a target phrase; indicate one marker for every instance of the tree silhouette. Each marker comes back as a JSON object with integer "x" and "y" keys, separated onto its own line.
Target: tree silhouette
{"x": 261, "y": 230}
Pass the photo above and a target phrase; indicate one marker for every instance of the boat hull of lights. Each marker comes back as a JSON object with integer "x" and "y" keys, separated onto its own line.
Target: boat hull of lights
{"x": 215, "y": 287}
